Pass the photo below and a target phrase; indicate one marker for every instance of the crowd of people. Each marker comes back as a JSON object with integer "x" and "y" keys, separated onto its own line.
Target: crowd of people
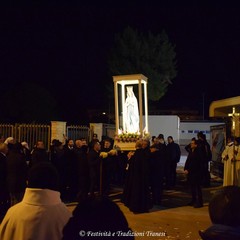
{"x": 35, "y": 185}
{"x": 42, "y": 215}
{"x": 88, "y": 168}
{"x": 151, "y": 168}
{"x": 36, "y": 210}
{"x": 77, "y": 163}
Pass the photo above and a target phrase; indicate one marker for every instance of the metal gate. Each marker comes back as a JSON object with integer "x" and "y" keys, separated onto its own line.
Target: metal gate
{"x": 75, "y": 132}
{"x": 31, "y": 133}
{"x": 7, "y": 130}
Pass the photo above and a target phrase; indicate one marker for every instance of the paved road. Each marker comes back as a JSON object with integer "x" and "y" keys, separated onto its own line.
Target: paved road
{"x": 172, "y": 220}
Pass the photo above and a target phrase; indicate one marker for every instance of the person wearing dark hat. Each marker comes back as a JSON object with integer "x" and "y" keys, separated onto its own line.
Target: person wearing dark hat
{"x": 41, "y": 214}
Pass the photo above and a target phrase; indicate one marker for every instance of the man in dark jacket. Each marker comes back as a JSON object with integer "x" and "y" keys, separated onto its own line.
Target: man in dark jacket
{"x": 39, "y": 154}
{"x": 81, "y": 151}
{"x": 71, "y": 171}
{"x": 194, "y": 170}
{"x": 173, "y": 157}
{"x": 207, "y": 157}
{"x": 94, "y": 166}
{"x": 107, "y": 165}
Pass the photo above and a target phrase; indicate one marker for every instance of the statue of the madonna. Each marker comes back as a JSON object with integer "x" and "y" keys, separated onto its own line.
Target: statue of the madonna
{"x": 131, "y": 112}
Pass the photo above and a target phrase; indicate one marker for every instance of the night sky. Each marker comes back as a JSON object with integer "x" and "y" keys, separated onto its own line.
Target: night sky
{"x": 64, "y": 48}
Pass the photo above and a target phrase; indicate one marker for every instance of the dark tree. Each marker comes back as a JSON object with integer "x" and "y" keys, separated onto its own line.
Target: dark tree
{"x": 153, "y": 56}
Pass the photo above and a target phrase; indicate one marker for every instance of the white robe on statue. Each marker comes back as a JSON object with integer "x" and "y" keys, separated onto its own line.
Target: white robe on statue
{"x": 131, "y": 112}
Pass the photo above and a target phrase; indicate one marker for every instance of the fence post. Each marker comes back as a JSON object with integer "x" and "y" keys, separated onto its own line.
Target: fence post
{"x": 58, "y": 131}
{"x": 98, "y": 129}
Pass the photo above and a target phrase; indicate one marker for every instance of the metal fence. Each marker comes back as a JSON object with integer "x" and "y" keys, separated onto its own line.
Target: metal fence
{"x": 31, "y": 133}
{"x": 7, "y": 130}
{"x": 75, "y": 132}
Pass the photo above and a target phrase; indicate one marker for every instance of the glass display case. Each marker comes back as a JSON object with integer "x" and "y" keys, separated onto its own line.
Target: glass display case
{"x": 131, "y": 109}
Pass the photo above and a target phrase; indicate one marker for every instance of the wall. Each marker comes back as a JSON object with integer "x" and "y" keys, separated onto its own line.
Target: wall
{"x": 168, "y": 125}
{"x": 188, "y": 130}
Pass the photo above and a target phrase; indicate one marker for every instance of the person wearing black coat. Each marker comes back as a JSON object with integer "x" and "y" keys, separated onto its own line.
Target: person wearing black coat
{"x": 16, "y": 173}
{"x": 107, "y": 165}
{"x": 4, "y": 195}
{"x": 58, "y": 160}
{"x": 39, "y": 154}
{"x": 71, "y": 171}
{"x": 81, "y": 151}
{"x": 194, "y": 170}
{"x": 156, "y": 173}
{"x": 136, "y": 191}
{"x": 173, "y": 157}
{"x": 94, "y": 166}
{"x": 207, "y": 157}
